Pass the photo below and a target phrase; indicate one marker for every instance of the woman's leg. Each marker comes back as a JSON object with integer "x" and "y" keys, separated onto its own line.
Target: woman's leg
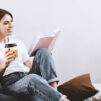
{"x": 33, "y": 84}
{"x": 43, "y": 65}
{"x": 35, "y": 97}
{"x": 4, "y": 97}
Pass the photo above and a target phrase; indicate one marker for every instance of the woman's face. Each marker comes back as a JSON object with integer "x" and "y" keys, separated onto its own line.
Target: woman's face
{"x": 6, "y": 26}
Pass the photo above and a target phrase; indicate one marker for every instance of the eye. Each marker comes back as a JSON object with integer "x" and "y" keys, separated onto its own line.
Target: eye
{"x": 5, "y": 23}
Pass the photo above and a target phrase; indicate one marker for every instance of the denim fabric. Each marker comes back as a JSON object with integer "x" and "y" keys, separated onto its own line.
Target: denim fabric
{"x": 36, "y": 83}
{"x": 35, "y": 97}
{"x": 12, "y": 78}
{"x": 44, "y": 66}
{"x": 4, "y": 97}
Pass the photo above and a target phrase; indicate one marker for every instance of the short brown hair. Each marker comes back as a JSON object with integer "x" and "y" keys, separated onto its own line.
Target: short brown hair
{"x": 4, "y": 12}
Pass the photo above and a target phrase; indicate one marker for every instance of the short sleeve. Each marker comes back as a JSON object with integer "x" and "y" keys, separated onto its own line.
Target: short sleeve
{"x": 1, "y": 57}
{"x": 25, "y": 55}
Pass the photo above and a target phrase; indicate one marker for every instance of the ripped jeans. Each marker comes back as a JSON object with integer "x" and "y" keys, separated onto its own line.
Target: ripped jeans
{"x": 35, "y": 84}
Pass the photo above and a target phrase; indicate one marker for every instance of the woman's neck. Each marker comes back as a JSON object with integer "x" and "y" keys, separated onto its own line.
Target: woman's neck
{"x": 4, "y": 39}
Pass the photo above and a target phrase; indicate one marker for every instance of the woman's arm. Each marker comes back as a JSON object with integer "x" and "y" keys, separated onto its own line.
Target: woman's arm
{"x": 8, "y": 57}
{"x": 2, "y": 67}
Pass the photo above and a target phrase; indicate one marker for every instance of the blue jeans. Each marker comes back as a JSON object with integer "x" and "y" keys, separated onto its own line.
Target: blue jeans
{"x": 35, "y": 84}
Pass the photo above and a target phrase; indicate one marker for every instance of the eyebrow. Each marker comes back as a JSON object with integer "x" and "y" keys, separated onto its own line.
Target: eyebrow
{"x": 8, "y": 21}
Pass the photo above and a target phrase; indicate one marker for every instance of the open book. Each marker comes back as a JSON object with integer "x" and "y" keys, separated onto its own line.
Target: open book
{"x": 43, "y": 41}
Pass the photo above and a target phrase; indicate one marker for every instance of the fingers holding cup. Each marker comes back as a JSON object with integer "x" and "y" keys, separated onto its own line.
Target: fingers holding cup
{"x": 10, "y": 55}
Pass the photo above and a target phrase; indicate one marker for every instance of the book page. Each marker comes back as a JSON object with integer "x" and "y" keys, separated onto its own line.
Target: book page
{"x": 33, "y": 44}
{"x": 51, "y": 46}
{"x": 43, "y": 42}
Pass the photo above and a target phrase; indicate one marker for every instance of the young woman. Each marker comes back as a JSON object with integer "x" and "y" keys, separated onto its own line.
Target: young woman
{"x": 23, "y": 76}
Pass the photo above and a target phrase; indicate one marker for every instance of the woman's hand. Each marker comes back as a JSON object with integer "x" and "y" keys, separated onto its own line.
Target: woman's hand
{"x": 8, "y": 57}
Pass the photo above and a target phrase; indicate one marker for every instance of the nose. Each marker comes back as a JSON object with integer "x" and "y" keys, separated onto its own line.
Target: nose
{"x": 11, "y": 25}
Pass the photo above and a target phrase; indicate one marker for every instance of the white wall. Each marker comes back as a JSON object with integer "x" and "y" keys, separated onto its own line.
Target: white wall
{"x": 78, "y": 49}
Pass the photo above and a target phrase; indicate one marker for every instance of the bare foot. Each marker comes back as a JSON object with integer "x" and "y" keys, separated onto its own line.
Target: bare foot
{"x": 54, "y": 85}
{"x": 66, "y": 100}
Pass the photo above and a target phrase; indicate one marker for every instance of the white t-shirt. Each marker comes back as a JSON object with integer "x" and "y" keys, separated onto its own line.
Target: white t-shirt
{"x": 18, "y": 64}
